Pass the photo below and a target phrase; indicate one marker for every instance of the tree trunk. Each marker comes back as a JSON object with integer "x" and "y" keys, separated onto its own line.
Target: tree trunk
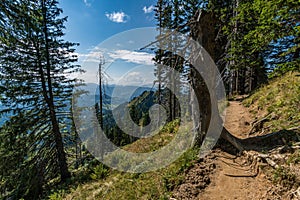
{"x": 48, "y": 94}
{"x": 206, "y": 106}
{"x": 204, "y": 32}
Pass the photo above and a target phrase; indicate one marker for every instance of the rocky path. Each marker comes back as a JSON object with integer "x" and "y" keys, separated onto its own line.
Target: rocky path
{"x": 229, "y": 177}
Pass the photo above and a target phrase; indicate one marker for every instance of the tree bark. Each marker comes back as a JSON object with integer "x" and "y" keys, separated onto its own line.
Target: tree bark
{"x": 48, "y": 94}
{"x": 203, "y": 31}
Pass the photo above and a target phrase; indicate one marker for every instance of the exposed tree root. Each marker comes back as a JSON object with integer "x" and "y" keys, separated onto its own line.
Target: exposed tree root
{"x": 275, "y": 144}
{"x": 253, "y": 168}
{"x": 258, "y": 125}
{"x": 242, "y": 175}
{"x": 295, "y": 194}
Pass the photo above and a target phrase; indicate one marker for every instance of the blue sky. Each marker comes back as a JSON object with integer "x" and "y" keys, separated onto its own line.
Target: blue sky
{"x": 100, "y": 27}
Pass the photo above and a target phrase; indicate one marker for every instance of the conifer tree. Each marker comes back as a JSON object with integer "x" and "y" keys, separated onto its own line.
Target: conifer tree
{"x": 36, "y": 91}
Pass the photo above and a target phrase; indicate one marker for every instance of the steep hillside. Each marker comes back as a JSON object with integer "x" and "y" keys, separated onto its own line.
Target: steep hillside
{"x": 103, "y": 183}
{"x": 271, "y": 174}
{"x": 276, "y": 105}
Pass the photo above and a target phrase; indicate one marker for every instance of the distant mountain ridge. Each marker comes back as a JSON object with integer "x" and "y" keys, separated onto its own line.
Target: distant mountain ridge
{"x": 109, "y": 89}
{"x": 114, "y": 95}
{"x": 124, "y": 95}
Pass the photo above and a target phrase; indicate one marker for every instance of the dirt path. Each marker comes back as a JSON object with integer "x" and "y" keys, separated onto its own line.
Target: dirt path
{"x": 238, "y": 119}
{"x": 225, "y": 187}
{"x": 232, "y": 177}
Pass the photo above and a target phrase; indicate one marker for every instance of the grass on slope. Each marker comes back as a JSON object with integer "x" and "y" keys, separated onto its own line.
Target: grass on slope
{"x": 280, "y": 101}
{"x": 151, "y": 185}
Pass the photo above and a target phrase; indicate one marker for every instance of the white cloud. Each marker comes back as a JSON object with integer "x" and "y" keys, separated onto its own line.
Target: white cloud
{"x": 149, "y": 9}
{"x": 118, "y": 17}
{"x": 140, "y": 76}
{"x": 91, "y": 57}
{"x": 141, "y": 58}
{"x": 134, "y": 74}
{"x": 133, "y": 78}
{"x": 88, "y": 3}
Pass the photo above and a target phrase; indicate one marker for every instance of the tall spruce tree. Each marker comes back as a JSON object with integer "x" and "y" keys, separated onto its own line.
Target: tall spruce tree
{"x": 276, "y": 34}
{"x": 36, "y": 92}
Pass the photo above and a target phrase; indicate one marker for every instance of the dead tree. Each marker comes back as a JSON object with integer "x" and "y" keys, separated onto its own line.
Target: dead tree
{"x": 203, "y": 31}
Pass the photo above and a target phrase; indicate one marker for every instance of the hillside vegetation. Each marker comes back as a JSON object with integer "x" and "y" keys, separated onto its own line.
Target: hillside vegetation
{"x": 103, "y": 183}
{"x": 276, "y": 109}
{"x": 277, "y": 103}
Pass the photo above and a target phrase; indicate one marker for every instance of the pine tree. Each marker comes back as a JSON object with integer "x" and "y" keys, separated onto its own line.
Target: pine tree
{"x": 170, "y": 16}
{"x": 35, "y": 68}
{"x": 164, "y": 16}
{"x": 267, "y": 37}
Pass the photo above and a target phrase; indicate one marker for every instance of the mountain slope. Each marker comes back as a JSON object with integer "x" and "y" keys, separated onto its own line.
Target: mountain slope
{"x": 220, "y": 175}
{"x": 278, "y": 102}
{"x": 257, "y": 175}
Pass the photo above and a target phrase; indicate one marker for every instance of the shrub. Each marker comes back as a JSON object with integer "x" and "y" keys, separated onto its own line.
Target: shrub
{"x": 100, "y": 172}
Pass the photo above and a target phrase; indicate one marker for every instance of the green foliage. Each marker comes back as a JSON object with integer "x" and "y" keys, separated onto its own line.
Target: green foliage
{"x": 138, "y": 109}
{"x": 57, "y": 195}
{"x": 174, "y": 176}
{"x": 151, "y": 185}
{"x": 82, "y": 175}
{"x": 284, "y": 176}
{"x": 268, "y": 29}
{"x": 171, "y": 127}
{"x": 109, "y": 184}
{"x": 294, "y": 158}
{"x": 35, "y": 64}
{"x": 36, "y": 89}
{"x": 100, "y": 172}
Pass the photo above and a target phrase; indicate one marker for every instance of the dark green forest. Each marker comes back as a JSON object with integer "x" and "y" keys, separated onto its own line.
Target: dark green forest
{"x": 251, "y": 41}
